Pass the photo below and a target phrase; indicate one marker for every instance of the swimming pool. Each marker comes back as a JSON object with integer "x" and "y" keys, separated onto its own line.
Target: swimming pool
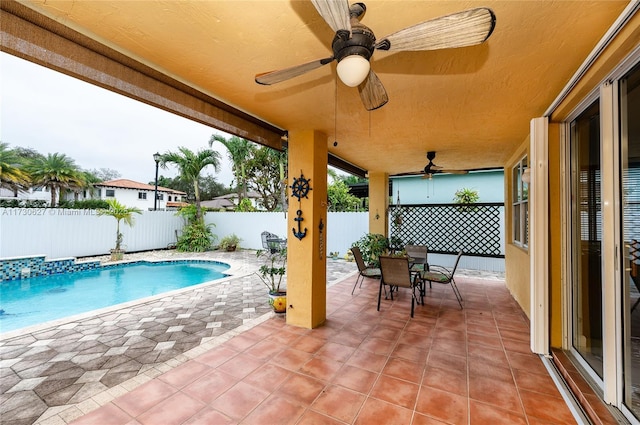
{"x": 36, "y": 300}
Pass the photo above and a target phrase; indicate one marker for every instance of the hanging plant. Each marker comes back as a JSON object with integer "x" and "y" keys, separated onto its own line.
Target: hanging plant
{"x": 465, "y": 197}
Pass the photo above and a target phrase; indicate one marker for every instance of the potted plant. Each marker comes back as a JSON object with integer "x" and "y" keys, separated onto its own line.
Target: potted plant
{"x": 271, "y": 273}
{"x": 119, "y": 212}
{"x": 230, "y": 242}
{"x": 349, "y": 256}
{"x": 464, "y": 197}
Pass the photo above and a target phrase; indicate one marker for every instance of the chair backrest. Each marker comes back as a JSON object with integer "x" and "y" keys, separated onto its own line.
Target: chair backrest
{"x": 455, "y": 266}
{"x": 272, "y": 242}
{"x": 395, "y": 271}
{"x": 357, "y": 255}
{"x": 417, "y": 252}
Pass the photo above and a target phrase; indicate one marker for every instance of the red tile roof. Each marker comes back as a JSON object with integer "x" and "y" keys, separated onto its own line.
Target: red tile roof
{"x": 130, "y": 184}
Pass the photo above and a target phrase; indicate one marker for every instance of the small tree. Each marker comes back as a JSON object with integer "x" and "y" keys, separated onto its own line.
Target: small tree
{"x": 121, "y": 213}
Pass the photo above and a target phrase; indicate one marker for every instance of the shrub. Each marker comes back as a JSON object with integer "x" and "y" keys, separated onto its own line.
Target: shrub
{"x": 230, "y": 242}
{"x": 196, "y": 237}
{"x": 372, "y": 246}
{"x": 23, "y": 203}
{"x": 85, "y": 204}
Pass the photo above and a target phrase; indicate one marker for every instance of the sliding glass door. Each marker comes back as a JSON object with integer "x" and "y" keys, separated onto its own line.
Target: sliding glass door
{"x": 629, "y": 95}
{"x": 586, "y": 240}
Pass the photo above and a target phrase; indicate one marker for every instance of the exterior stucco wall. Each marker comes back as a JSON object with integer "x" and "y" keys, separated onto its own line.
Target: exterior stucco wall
{"x": 517, "y": 269}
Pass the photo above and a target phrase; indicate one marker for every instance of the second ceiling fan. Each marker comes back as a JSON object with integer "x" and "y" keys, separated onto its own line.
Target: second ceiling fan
{"x": 430, "y": 169}
{"x": 354, "y": 44}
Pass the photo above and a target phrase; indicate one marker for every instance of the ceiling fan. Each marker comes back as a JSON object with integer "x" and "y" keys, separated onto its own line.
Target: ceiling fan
{"x": 430, "y": 169}
{"x": 354, "y": 44}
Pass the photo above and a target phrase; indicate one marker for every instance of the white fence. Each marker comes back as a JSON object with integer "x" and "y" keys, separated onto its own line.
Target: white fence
{"x": 61, "y": 233}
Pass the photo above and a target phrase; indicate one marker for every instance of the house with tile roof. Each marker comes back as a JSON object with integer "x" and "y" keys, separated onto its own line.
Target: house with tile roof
{"x": 140, "y": 195}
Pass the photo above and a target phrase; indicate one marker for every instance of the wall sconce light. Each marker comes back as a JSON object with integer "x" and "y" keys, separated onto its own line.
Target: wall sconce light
{"x": 526, "y": 175}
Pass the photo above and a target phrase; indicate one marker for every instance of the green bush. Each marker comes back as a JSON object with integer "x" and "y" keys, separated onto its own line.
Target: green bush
{"x": 196, "y": 237}
{"x": 22, "y": 203}
{"x": 85, "y": 204}
{"x": 231, "y": 241}
{"x": 372, "y": 246}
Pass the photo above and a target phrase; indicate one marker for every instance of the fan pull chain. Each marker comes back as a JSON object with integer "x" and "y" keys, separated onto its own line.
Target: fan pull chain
{"x": 335, "y": 115}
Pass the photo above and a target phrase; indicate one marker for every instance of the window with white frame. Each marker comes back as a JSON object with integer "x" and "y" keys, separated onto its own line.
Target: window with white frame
{"x": 142, "y": 195}
{"x": 109, "y": 193}
{"x": 520, "y": 199}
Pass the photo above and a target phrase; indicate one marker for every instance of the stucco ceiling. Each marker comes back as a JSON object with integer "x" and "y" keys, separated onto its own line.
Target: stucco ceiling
{"x": 472, "y": 105}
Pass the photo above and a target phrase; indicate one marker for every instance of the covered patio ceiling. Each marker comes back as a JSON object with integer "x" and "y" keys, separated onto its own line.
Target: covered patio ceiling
{"x": 472, "y": 105}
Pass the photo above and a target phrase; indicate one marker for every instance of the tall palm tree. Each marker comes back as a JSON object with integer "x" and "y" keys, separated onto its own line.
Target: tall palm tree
{"x": 55, "y": 172}
{"x": 239, "y": 151}
{"x": 190, "y": 164}
{"x": 12, "y": 175}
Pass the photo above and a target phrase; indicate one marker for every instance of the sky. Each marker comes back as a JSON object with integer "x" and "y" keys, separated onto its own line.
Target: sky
{"x": 50, "y": 112}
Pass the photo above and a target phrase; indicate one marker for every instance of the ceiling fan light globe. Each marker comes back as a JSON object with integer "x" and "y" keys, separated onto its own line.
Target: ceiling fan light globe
{"x": 353, "y": 69}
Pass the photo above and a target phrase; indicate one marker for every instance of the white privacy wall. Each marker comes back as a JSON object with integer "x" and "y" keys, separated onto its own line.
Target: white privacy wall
{"x": 60, "y": 233}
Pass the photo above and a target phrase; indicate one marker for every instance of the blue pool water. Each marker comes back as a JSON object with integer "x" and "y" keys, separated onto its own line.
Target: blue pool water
{"x": 31, "y": 301}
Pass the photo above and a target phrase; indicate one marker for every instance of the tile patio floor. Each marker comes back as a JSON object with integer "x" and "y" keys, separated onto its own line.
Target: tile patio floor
{"x": 444, "y": 366}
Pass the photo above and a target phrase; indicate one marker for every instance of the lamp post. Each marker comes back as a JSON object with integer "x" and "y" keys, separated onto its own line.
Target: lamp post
{"x": 156, "y": 158}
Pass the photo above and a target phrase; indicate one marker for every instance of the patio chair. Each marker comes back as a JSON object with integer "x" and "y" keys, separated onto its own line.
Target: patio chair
{"x": 442, "y": 275}
{"x": 395, "y": 273}
{"x": 272, "y": 242}
{"x": 363, "y": 269}
{"x": 418, "y": 255}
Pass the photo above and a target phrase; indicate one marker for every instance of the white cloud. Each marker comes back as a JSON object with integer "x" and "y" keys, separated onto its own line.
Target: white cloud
{"x": 51, "y": 112}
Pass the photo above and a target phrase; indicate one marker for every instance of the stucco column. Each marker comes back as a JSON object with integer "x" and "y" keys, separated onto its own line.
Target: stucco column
{"x": 378, "y": 203}
{"x": 306, "y": 261}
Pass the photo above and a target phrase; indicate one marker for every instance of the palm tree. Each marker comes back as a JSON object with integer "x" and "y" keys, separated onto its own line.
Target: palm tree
{"x": 86, "y": 183}
{"x": 54, "y": 171}
{"x": 190, "y": 165}
{"x": 121, "y": 213}
{"x": 238, "y": 150}
{"x": 12, "y": 176}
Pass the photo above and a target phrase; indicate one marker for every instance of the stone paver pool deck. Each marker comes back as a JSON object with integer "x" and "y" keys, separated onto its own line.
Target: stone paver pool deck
{"x": 56, "y": 373}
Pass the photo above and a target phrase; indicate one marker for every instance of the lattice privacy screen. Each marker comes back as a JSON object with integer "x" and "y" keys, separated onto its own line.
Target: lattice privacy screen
{"x": 447, "y": 228}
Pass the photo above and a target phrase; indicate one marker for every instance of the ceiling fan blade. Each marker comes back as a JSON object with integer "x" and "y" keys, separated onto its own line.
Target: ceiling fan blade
{"x": 335, "y": 13}
{"x": 268, "y": 78}
{"x": 461, "y": 29}
{"x": 454, "y": 171}
{"x": 372, "y": 92}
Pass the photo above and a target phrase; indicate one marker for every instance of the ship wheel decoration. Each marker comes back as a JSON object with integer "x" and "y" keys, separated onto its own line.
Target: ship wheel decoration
{"x": 299, "y": 189}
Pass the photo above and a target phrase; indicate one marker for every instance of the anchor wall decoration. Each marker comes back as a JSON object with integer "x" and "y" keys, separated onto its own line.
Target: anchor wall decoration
{"x": 300, "y": 188}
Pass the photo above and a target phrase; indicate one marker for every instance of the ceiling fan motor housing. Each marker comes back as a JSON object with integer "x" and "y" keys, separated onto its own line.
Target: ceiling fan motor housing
{"x": 361, "y": 42}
